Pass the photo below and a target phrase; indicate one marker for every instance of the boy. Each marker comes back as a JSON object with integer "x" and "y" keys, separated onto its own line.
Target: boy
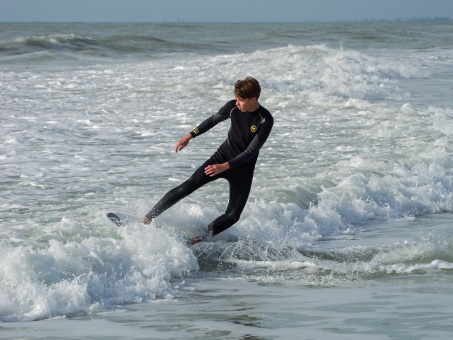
{"x": 234, "y": 160}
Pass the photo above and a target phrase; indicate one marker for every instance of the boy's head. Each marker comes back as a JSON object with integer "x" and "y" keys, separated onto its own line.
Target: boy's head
{"x": 247, "y": 88}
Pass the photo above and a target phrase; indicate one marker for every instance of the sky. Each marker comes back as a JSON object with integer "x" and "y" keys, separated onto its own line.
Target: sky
{"x": 219, "y": 10}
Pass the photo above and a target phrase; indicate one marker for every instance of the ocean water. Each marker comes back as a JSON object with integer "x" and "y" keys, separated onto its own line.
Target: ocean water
{"x": 348, "y": 230}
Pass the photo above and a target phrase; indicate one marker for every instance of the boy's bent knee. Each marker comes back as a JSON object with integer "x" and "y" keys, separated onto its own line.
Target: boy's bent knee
{"x": 224, "y": 222}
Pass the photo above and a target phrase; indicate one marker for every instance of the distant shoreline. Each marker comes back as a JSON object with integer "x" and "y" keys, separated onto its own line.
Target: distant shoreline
{"x": 371, "y": 20}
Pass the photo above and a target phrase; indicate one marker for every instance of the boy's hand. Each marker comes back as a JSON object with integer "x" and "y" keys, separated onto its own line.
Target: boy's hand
{"x": 215, "y": 169}
{"x": 182, "y": 143}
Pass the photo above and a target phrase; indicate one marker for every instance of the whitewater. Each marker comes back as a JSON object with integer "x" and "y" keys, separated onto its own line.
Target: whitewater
{"x": 347, "y": 232}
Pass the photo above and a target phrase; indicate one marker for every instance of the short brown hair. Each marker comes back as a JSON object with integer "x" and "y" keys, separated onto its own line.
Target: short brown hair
{"x": 247, "y": 88}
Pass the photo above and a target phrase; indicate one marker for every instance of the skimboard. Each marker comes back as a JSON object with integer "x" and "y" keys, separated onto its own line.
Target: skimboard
{"x": 121, "y": 219}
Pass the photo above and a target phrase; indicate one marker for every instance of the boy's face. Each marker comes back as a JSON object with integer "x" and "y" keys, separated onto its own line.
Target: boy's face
{"x": 246, "y": 105}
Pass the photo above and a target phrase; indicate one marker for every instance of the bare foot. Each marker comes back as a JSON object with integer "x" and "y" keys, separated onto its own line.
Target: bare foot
{"x": 194, "y": 240}
{"x": 145, "y": 220}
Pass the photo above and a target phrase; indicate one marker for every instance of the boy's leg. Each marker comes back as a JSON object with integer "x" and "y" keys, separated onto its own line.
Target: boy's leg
{"x": 240, "y": 186}
{"x": 197, "y": 180}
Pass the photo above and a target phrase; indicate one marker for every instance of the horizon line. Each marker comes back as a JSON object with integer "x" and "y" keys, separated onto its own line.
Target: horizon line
{"x": 181, "y": 21}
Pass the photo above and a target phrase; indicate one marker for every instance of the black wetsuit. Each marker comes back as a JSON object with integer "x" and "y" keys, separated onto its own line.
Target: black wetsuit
{"x": 248, "y": 132}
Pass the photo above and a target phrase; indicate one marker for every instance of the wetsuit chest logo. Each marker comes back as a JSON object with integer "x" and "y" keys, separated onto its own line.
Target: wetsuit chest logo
{"x": 253, "y": 128}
